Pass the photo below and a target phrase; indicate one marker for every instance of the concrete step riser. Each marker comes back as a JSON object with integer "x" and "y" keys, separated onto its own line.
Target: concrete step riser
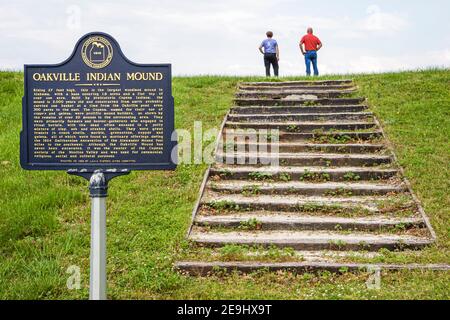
{"x": 282, "y": 207}
{"x": 305, "y": 109}
{"x": 353, "y": 149}
{"x": 323, "y": 162}
{"x": 303, "y": 117}
{"x": 281, "y": 102}
{"x": 296, "y": 87}
{"x": 304, "y": 136}
{"x": 332, "y": 176}
{"x": 330, "y": 226}
{"x": 283, "y": 95}
{"x": 302, "y": 128}
{"x": 207, "y": 268}
{"x": 314, "y": 246}
{"x": 300, "y": 82}
{"x": 308, "y": 192}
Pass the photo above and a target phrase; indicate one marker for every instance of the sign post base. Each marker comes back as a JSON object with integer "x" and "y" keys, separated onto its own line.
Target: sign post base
{"x": 98, "y": 187}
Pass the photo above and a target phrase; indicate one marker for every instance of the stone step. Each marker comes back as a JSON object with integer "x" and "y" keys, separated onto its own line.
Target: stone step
{"x": 285, "y": 136}
{"x": 245, "y": 146}
{"x": 303, "y": 126}
{"x": 338, "y": 206}
{"x": 304, "y": 159}
{"x": 274, "y": 221}
{"x": 297, "y": 109}
{"x": 293, "y": 94}
{"x": 252, "y": 173}
{"x": 259, "y": 254}
{"x": 301, "y": 82}
{"x": 297, "y": 102}
{"x": 309, "y": 240}
{"x": 290, "y": 117}
{"x": 295, "y": 87}
{"x": 200, "y": 268}
{"x": 305, "y": 188}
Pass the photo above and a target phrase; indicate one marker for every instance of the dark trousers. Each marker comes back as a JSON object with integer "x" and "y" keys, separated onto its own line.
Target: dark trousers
{"x": 271, "y": 59}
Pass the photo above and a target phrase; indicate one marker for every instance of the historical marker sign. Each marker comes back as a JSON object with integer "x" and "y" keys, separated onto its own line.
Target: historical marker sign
{"x": 97, "y": 110}
{"x": 99, "y": 116}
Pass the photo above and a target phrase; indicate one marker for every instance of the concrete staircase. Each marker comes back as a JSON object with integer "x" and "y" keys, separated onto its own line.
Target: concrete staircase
{"x": 336, "y": 186}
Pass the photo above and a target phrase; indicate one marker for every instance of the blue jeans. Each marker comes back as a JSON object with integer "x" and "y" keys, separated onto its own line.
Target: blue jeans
{"x": 311, "y": 56}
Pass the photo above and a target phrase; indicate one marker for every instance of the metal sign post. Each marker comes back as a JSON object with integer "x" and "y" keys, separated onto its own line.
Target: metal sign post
{"x": 98, "y": 193}
{"x": 98, "y": 187}
{"x": 97, "y": 288}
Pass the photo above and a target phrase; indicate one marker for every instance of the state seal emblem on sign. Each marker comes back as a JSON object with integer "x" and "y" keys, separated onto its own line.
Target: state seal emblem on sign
{"x": 97, "y": 52}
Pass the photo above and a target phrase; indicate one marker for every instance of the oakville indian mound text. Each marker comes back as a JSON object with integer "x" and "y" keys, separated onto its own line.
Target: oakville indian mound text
{"x": 97, "y": 110}
{"x": 97, "y": 76}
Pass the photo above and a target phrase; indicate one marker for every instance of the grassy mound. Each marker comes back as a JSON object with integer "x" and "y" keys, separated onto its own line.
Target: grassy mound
{"x": 44, "y": 216}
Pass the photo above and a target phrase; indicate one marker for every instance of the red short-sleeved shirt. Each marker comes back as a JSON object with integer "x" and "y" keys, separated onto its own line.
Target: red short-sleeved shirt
{"x": 311, "y": 42}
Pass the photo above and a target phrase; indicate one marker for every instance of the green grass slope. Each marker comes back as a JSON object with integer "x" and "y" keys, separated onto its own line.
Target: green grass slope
{"x": 44, "y": 216}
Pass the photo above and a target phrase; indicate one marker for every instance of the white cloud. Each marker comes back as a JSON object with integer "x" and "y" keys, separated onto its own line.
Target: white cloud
{"x": 377, "y": 20}
{"x": 384, "y": 63}
{"x": 440, "y": 57}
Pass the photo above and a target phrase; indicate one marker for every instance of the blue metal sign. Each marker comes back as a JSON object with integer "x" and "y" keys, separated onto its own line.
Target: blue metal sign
{"x": 97, "y": 110}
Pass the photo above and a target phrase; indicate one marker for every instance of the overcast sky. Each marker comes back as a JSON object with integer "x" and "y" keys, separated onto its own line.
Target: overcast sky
{"x": 222, "y": 37}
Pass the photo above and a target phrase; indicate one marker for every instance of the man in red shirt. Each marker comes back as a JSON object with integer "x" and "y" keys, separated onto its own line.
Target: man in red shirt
{"x": 312, "y": 45}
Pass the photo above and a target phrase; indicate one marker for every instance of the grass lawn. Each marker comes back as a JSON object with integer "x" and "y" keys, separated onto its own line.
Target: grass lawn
{"x": 45, "y": 216}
